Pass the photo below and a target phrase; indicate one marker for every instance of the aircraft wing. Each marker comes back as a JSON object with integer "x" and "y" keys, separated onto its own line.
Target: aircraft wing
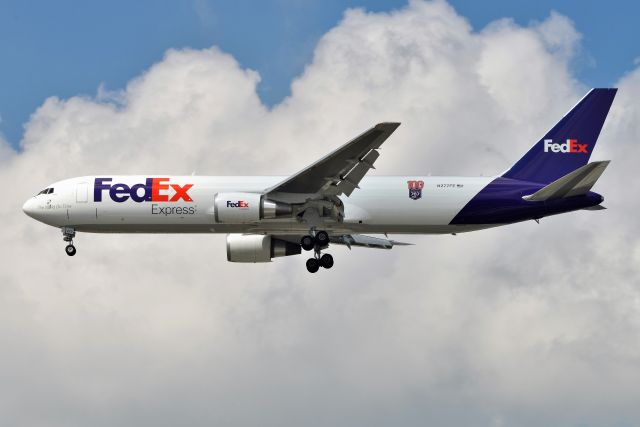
{"x": 350, "y": 240}
{"x": 340, "y": 171}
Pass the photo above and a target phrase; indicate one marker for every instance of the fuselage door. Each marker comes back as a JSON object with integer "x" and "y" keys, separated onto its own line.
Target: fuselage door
{"x": 82, "y": 190}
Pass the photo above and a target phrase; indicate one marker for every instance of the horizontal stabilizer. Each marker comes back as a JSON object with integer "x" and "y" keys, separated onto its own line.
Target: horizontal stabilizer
{"x": 576, "y": 183}
{"x": 594, "y": 208}
{"x": 366, "y": 241}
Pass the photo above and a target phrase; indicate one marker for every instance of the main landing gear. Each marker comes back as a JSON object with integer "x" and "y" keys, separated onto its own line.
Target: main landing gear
{"x": 317, "y": 241}
{"x": 67, "y": 235}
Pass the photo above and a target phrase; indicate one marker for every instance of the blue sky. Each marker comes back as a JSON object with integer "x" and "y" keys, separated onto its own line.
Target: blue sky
{"x": 65, "y": 48}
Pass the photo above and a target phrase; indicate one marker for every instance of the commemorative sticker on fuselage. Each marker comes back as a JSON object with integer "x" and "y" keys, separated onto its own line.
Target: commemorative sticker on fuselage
{"x": 415, "y": 189}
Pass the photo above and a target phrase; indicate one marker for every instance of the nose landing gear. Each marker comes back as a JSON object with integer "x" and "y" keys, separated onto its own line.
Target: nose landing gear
{"x": 67, "y": 235}
{"x": 317, "y": 241}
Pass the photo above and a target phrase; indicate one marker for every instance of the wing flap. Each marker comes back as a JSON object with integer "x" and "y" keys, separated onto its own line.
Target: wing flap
{"x": 354, "y": 176}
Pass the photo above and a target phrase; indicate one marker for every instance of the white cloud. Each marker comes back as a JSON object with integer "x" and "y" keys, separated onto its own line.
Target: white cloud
{"x": 6, "y": 152}
{"x": 523, "y": 325}
{"x": 559, "y": 35}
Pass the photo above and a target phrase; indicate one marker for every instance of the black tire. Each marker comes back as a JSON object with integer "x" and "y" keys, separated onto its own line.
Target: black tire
{"x": 313, "y": 265}
{"x": 307, "y": 243}
{"x": 70, "y": 250}
{"x": 326, "y": 261}
{"x": 322, "y": 238}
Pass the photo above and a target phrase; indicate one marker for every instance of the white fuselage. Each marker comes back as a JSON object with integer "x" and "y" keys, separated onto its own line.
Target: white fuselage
{"x": 381, "y": 205}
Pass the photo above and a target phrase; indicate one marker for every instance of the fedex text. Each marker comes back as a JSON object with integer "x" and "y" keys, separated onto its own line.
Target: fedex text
{"x": 152, "y": 190}
{"x": 239, "y": 204}
{"x": 571, "y": 146}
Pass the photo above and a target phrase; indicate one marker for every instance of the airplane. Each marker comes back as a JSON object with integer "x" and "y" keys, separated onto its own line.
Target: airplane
{"x": 332, "y": 202}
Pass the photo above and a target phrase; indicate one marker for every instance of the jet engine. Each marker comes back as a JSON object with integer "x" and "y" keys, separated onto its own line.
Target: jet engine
{"x": 258, "y": 248}
{"x": 242, "y": 208}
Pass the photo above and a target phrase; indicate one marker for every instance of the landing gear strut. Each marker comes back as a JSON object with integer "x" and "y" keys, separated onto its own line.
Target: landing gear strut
{"x": 67, "y": 235}
{"x": 317, "y": 241}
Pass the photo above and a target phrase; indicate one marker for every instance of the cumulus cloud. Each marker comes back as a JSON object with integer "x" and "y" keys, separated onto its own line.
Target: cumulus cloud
{"x": 6, "y": 152}
{"x": 522, "y": 325}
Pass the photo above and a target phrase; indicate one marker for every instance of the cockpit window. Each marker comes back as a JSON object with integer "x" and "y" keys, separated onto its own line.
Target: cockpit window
{"x": 45, "y": 191}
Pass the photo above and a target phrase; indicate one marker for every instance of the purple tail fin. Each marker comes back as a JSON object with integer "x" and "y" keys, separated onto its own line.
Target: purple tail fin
{"x": 568, "y": 145}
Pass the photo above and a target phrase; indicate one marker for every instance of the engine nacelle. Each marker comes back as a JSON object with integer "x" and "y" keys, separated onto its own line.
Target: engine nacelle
{"x": 243, "y": 208}
{"x": 258, "y": 248}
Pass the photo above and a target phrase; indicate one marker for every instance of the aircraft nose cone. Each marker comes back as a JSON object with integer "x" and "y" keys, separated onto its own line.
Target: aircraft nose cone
{"x": 29, "y": 208}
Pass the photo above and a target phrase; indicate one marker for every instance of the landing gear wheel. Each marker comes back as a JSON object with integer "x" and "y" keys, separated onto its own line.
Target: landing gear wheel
{"x": 307, "y": 243}
{"x": 68, "y": 233}
{"x": 316, "y": 240}
{"x": 322, "y": 238}
{"x": 70, "y": 250}
{"x": 326, "y": 261}
{"x": 313, "y": 265}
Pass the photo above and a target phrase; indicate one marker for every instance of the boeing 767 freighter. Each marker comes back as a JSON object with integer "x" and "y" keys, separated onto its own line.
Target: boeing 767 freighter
{"x": 332, "y": 202}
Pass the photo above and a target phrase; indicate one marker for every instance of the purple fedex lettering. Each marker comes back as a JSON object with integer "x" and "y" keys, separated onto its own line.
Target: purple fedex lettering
{"x": 119, "y": 193}
{"x": 146, "y": 192}
{"x": 98, "y": 187}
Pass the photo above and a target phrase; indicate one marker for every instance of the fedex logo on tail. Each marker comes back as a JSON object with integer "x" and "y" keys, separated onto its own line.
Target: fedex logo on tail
{"x": 571, "y": 146}
{"x": 153, "y": 190}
